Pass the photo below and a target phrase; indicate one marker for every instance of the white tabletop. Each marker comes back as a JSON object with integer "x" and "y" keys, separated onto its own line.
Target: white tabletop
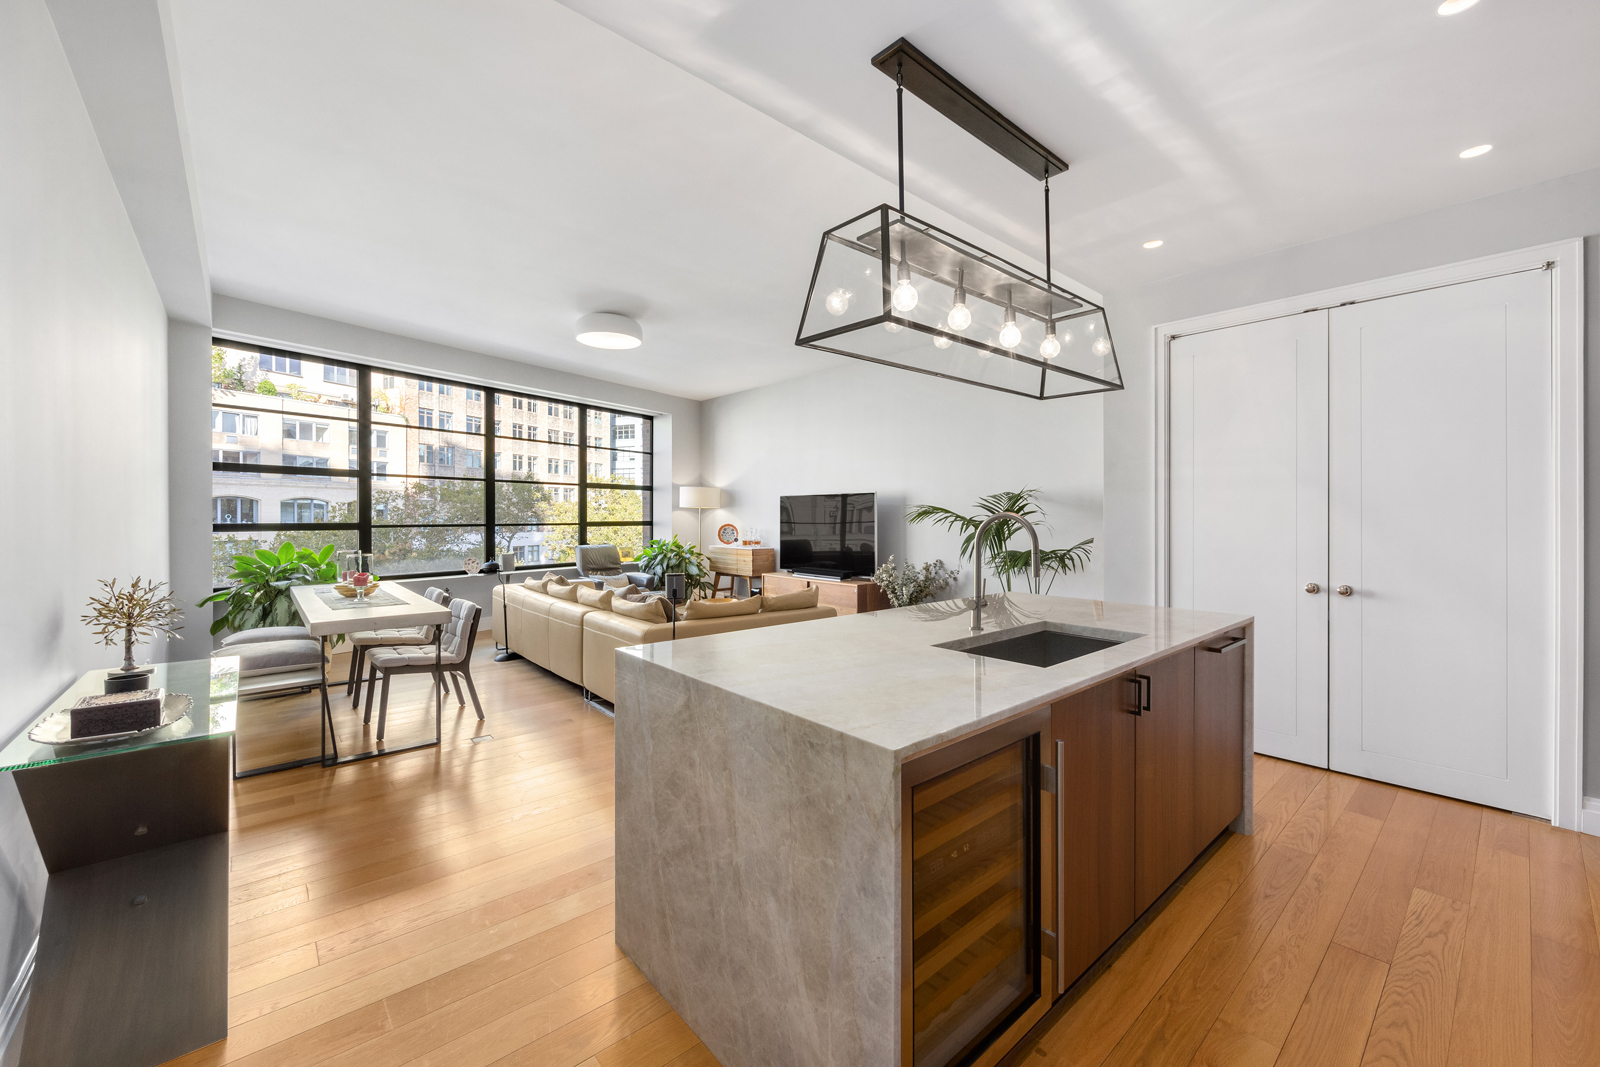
{"x": 323, "y": 620}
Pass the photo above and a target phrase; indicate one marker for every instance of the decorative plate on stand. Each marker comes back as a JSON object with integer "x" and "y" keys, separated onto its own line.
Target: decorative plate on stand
{"x": 728, "y": 533}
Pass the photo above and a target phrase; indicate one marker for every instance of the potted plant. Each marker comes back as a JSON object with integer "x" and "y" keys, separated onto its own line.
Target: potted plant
{"x": 140, "y": 610}
{"x": 259, "y": 595}
{"x": 665, "y": 556}
{"x": 1007, "y": 562}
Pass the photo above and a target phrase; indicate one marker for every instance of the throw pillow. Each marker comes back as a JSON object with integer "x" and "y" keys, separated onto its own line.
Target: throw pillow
{"x": 536, "y": 584}
{"x": 616, "y": 581}
{"x": 805, "y": 598}
{"x": 708, "y": 609}
{"x": 564, "y": 590}
{"x": 654, "y": 609}
{"x": 594, "y": 598}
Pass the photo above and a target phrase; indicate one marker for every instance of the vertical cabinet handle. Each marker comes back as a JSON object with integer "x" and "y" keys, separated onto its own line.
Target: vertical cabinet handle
{"x": 1141, "y": 693}
{"x": 1061, "y": 856}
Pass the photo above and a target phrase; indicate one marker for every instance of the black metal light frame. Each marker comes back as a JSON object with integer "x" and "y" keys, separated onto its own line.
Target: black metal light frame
{"x": 1041, "y": 300}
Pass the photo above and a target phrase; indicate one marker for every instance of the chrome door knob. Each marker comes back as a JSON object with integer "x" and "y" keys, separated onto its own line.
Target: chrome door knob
{"x": 1344, "y": 590}
{"x": 1313, "y": 587}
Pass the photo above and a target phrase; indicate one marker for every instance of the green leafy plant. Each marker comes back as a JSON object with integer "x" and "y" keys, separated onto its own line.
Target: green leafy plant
{"x": 909, "y": 584}
{"x": 266, "y": 388}
{"x": 665, "y": 556}
{"x": 140, "y": 610}
{"x": 1007, "y": 563}
{"x": 259, "y": 595}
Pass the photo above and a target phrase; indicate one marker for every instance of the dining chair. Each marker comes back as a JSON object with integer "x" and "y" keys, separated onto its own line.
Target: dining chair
{"x": 405, "y": 635}
{"x": 455, "y": 658}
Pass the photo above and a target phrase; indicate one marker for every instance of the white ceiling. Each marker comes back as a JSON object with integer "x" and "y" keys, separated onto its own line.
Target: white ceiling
{"x": 482, "y": 173}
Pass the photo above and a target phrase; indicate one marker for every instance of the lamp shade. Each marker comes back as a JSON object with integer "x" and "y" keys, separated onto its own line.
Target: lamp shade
{"x": 699, "y": 496}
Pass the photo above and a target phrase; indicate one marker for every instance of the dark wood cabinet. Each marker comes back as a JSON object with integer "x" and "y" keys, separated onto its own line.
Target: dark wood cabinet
{"x": 1165, "y": 774}
{"x": 1219, "y": 682}
{"x": 1096, "y": 730}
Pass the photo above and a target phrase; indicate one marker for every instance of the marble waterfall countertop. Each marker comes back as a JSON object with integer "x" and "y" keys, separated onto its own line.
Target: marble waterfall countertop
{"x": 878, "y": 677}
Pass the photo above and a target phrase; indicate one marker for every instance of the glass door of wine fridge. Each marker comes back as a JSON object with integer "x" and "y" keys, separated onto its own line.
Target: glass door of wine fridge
{"x": 974, "y": 976}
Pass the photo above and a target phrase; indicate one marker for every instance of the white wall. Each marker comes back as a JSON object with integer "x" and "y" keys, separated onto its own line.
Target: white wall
{"x": 83, "y": 416}
{"x": 912, "y": 439}
{"x": 1551, "y": 211}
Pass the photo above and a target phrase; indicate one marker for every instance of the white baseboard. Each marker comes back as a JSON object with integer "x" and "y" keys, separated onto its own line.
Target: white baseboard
{"x": 15, "y": 1004}
{"x": 1589, "y": 817}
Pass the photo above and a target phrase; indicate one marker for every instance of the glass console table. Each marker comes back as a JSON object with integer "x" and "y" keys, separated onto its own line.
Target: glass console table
{"x": 132, "y": 965}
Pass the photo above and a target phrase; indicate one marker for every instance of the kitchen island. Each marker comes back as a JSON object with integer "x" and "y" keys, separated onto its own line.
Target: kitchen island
{"x": 823, "y": 830}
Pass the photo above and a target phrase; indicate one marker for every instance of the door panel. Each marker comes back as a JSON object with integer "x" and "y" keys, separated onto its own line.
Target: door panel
{"x": 1442, "y": 502}
{"x": 1249, "y": 509}
{"x": 1096, "y": 729}
{"x": 1164, "y": 772}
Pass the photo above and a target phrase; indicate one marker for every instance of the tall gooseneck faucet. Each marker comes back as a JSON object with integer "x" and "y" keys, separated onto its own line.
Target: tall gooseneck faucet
{"x": 977, "y": 581}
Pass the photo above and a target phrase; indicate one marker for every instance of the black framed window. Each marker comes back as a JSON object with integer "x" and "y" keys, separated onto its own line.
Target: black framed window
{"x": 320, "y": 451}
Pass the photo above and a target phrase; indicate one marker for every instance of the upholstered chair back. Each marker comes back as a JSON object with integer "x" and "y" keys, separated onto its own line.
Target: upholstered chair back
{"x": 460, "y": 632}
{"x": 599, "y": 560}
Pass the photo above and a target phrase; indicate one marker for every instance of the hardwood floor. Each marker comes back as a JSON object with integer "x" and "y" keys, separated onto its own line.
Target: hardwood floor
{"x": 454, "y": 906}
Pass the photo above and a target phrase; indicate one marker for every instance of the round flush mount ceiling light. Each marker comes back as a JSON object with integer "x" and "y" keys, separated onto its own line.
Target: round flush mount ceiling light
{"x": 1452, "y": 7}
{"x": 605, "y": 330}
{"x": 1478, "y": 151}
{"x": 1154, "y": 244}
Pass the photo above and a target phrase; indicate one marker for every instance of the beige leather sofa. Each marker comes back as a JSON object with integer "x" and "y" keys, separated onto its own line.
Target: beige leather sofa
{"x": 580, "y": 643}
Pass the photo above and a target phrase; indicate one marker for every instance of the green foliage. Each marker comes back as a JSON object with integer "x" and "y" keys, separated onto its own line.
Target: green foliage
{"x": 260, "y": 596}
{"x": 266, "y": 388}
{"x": 665, "y": 556}
{"x": 1007, "y": 563}
{"x": 225, "y": 377}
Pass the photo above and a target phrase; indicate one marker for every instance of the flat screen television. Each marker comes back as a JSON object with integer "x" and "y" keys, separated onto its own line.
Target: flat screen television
{"x": 829, "y": 535}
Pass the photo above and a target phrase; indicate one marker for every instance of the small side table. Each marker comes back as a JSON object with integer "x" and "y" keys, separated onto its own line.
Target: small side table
{"x": 134, "y": 833}
{"x": 733, "y": 562}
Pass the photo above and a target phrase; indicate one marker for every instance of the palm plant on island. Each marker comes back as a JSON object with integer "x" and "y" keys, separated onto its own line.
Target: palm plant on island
{"x": 1008, "y": 563}
{"x": 664, "y": 556}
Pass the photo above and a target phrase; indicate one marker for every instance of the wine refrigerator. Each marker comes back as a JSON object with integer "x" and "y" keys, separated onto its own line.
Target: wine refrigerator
{"x": 976, "y": 959}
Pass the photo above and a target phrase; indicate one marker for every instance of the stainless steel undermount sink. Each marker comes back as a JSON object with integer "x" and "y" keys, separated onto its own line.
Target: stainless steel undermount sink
{"x": 1040, "y": 644}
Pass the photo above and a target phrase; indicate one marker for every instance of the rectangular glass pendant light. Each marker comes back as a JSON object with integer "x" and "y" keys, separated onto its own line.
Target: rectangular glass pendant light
{"x": 891, "y": 289}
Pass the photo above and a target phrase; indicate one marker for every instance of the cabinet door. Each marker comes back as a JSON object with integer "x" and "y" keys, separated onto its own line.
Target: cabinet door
{"x": 1219, "y": 675}
{"x": 1095, "y": 729}
{"x": 1165, "y": 773}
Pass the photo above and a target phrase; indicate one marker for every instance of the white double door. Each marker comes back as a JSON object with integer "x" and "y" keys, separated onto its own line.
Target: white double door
{"x": 1375, "y": 484}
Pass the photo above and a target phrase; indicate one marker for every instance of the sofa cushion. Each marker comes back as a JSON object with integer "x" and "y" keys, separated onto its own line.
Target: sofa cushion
{"x": 645, "y": 609}
{"x": 562, "y": 589}
{"x": 708, "y": 609}
{"x": 805, "y": 598}
{"x": 595, "y": 598}
{"x": 536, "y": 584}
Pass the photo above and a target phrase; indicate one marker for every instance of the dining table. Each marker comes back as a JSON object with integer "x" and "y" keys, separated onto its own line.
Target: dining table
{"x": 326, "y": 613}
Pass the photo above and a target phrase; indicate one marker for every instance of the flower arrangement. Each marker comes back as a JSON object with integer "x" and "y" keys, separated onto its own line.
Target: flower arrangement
{"x": 140, "y": 610}
{"x": 909, "y": 584}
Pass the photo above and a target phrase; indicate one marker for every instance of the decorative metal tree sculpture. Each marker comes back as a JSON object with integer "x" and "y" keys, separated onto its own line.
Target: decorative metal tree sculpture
{"x": 139, "y": 611}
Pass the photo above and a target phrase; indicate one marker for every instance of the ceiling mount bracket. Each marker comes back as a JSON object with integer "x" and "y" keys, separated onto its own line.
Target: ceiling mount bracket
{"x": 940, "y": 90}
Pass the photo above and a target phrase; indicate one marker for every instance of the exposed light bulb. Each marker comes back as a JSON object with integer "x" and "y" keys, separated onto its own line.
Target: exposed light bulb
{"x": 1049, "y": 348}
{"x": 892, "y": 327}
{"x": 1451, "y": 7}
{"x": 1101, "y": 347}
{"x": 1473, "y": 153}
{"x": 959, "y": 318}
{"x": 1010, "y": 335}
{"x": 904, "y": 297}
{"x": 838, "y": 301}
{"x": 941, "y": 341}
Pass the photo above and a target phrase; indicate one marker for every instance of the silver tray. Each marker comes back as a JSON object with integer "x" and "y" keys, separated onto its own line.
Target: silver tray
{"x": 56, "y": 727}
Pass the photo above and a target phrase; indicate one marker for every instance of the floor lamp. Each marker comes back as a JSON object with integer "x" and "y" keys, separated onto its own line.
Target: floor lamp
{"x": 700, "y": 497}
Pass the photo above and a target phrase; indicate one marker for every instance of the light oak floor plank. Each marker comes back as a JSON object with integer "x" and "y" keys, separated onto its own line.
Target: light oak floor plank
{"x": 1332, "y": 1026}
{"x": 1414, "y": 1016}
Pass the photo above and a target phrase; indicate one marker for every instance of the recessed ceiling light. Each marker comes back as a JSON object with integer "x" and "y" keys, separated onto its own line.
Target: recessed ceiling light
{"x": 1451, "y": 7}
{"x": 1480, "y": 150}
{"x": 605, "y": 330}
{"x": 1153, "y": 244}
